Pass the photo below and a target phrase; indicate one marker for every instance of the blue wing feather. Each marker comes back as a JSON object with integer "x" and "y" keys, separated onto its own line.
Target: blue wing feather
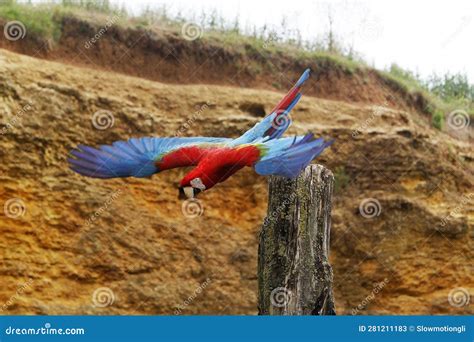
{"x": 132, "y": 158}
{"x": 285, "y": 158}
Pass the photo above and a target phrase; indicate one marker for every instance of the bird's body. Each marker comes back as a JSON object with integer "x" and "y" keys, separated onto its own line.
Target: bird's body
{"x": 215, "y": 159}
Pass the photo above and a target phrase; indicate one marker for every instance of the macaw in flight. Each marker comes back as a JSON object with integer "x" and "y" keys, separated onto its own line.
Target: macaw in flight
{"x": 214, "y": 159}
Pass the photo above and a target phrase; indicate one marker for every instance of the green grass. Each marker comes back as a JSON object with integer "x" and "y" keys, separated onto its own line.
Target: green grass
{"x": 457, "y": 95}
{"x": 437, "y": 119}
{"x": 37, "y": 19}
{"x": 441, "y": 95}
{"x": 44, "y": 20}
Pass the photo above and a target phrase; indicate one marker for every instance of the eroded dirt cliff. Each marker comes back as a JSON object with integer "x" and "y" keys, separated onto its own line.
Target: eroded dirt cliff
{"x": 75, "y": 245}
{"x": 167, "y": 55}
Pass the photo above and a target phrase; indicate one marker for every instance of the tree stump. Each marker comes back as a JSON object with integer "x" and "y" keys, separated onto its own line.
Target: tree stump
{"x": 294, "y": 275}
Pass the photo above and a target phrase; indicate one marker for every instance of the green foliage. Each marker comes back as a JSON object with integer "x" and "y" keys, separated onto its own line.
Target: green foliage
{"x": 37, "y": 19}
{"x": 437, "y": 119}
{"x": 101, "y": 6}
{"x": 451, "y": 87}
{"x": 44, "y": 19}
{"x": 444, "y": 93}
{"x": 407, "y": 79}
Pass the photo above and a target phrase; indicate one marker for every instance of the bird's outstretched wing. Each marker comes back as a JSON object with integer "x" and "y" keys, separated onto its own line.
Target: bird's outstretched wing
{"x": 288, "y": 156}
{"x": 140, "y": 157}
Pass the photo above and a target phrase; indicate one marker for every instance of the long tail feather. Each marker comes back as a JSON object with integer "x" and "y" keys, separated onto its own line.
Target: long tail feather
{"x": 277, "y": 122}
{"x": 283, "y": 108}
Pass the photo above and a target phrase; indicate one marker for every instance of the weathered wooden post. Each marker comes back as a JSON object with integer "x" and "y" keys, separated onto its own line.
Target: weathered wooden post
{"x": 294, "y": 275}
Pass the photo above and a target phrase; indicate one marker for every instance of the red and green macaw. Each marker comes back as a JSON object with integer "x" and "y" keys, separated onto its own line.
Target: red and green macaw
{"x": 214, "y": 159}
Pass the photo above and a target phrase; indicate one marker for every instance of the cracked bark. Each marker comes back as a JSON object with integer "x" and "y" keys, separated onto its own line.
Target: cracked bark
{"x": 294, "y": 275}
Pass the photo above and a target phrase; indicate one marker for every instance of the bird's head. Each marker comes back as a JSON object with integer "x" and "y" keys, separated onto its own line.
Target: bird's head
{"x": 192, "y": 189}
{"x": 202, "y": 178}
{"x": 192, "y": 184}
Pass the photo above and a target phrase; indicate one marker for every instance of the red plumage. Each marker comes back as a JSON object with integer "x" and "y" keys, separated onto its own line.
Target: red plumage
{"x": 286, "y": 101}
{"x": 185, "y": 156}
{"x": 218, "y": 164}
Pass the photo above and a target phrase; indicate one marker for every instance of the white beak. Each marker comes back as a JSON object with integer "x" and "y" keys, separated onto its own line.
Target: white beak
{"x": 189, "y": 191}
